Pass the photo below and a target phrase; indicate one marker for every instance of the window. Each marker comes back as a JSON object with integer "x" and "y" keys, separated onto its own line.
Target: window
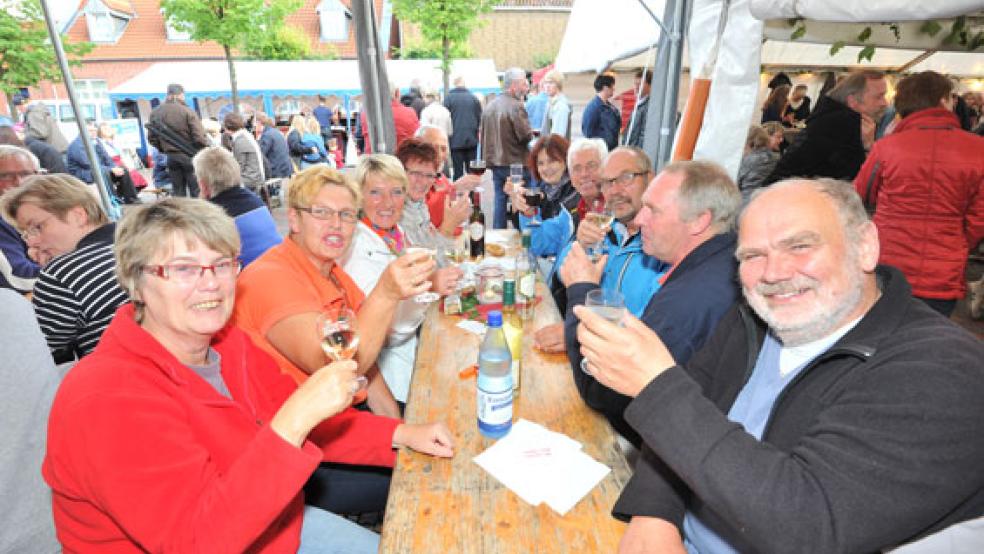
{"x": 173, "y": 34}
{"x": 334, "y": 18}
{"x": 105, "y": 25}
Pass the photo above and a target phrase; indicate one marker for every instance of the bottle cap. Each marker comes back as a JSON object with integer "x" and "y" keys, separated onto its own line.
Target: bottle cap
{"x": 495, "y": 318}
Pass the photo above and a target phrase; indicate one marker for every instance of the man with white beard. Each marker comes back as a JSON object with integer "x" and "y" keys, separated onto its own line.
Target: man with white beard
{"x": 836, "y": 414}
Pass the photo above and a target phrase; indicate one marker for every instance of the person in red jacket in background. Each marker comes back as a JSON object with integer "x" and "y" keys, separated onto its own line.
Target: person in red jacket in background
{"x": 924, "y": 184}
{"x": 405, "y": 119}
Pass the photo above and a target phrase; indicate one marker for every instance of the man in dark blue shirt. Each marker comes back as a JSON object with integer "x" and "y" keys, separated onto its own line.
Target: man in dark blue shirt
{"x": 600, "y": 118}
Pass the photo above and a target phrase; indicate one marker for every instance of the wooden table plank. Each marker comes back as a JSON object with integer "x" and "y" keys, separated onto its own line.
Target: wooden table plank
{"x": 453, "y": 505}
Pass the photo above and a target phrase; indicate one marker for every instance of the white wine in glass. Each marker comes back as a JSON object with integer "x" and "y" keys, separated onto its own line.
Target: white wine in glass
{"x": 609, "y": 304}
{"x": 429, "y": 296}
{"x": 340, "y": 338}
{"x": 339, "y": 335}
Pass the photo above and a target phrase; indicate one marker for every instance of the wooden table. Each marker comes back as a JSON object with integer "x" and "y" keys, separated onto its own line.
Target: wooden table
{"x": 452, "y": 505}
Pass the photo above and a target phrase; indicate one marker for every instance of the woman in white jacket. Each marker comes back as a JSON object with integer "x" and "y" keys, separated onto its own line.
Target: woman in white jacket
{"x": 377, "y": 241}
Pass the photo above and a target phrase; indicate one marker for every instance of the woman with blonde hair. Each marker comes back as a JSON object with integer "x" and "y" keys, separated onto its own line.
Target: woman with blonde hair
{"x": 557, "y": 120}
{"x": 281, "y": 295}
{"x": 294, "y": 137}
{"x": 314, "y": 143}
{"x": 378, "y": 241}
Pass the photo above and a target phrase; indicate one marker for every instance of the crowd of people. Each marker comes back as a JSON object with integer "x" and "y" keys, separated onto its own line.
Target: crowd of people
{"x": 785, "y": 377}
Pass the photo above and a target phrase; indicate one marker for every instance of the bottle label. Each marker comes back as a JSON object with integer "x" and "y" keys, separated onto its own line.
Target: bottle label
{"x": 527, "y": 285}
{"x": 476, "y": 230}
{"x": 508, "y": 293}
{"x": 495, "y": 398}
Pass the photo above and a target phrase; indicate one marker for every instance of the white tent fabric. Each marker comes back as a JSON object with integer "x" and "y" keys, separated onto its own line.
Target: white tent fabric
{"x": 600, "y": 32}
{"x": 734, "y": 82}
{"x": 870, "y": 10}
{"x": 297, "y": 77}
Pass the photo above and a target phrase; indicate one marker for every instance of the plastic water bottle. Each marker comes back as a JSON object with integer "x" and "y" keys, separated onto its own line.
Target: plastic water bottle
{"x": 495, "y": 387}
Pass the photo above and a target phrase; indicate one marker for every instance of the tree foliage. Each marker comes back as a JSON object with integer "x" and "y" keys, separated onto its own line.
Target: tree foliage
{"x": 233, "y": 24}
{"x": 446, "y": 22}
{"x": 285, "y": 43}
{"x": 26, "y": 54}
{"x": 428, "y": 49}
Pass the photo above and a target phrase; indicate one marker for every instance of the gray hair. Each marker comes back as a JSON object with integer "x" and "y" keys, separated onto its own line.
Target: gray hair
{"x": 596, "y": 144}
{"x": 144, "y": 232}
{"x": 845, "y": 197}
{"x": 422, "y": 130}
{"x": 853, "y": 85}
{"x": 707, "y": 187}
{"x": 217, "y": 167}
{"x": 10, "y": 151}
{"x": 510, "y": 75}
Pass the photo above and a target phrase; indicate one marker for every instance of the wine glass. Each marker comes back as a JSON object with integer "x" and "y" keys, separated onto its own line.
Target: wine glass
{"x": 477, "y": 168}
{"x": 609, "y": 304}
{"x": 599, "y": 214}
{"x": 428, "y": 296}
{"x": 339, "y": 334}
{"x": 533, "y": 195}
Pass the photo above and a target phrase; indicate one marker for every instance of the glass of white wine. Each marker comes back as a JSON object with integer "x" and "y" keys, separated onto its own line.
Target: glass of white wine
{"x": 339, "y": 334}
{"x": 600, "y": 215}
{"x": 609, "y": 304}
{"x": 429, "y": 296}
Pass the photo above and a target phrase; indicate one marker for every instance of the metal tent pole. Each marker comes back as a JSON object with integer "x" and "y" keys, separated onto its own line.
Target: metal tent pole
{"x": 111, "y": 209}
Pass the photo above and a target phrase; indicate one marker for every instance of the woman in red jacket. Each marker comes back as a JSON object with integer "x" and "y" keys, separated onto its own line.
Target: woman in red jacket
{"x": 177, "y": 434}
{"x": 924, "y": 182}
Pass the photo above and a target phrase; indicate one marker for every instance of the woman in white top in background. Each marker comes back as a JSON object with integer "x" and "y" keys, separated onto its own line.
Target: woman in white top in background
{"x": 557, "y": 120}
{"x": 378, "y": 240}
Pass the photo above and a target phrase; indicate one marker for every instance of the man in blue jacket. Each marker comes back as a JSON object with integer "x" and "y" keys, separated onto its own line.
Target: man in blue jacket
{"x": 221, "y": 183}
{"x": 600, "y": 118}
{"x": 686, "y": 220}
{"x": 17, "y": 270}
{"x": 77, "y": 164}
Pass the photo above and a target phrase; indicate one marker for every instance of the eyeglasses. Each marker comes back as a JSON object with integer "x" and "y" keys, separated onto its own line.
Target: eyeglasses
{"x": 34, "y": 230}
{"x": 376, "y": 195}
{"x": 590, "y": 166}
{"x": 187, "y": 273}
{"x": 16, "y": 175}
{"x": 422, "y": 175}
{"x": 324, "y": 213}
{"x": 622, "y": 180}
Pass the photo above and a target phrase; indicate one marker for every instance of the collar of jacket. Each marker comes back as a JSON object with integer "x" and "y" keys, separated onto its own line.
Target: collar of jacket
{"x": 861, "y": 342}
{"x": 126, "y": 335}
{"x": 103, "y": 234}
{"x": 707, "y": 249}
{"x": 935, "y": 118}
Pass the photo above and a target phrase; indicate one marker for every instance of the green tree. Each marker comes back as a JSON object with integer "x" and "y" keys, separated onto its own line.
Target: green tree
{"x": 234, "y": 24}
{"x": 447, "y": 22}
{"x": 26, "y": 54}
{"x": 285, "y": 43}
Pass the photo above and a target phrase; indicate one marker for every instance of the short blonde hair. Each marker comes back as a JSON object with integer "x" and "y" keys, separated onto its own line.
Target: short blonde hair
{"x": 304, "y": 186}
{"x": 556, "y": 76}
{"x": 143, "y": 234}
{"x": 380, "y": 165}
{"x": 311, "y": 125}
{"x": 56, "y": 194}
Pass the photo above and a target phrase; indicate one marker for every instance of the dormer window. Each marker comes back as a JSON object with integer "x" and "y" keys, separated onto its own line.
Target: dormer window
{"x": 334, "y": 18}
{"x": 107, "y": 20}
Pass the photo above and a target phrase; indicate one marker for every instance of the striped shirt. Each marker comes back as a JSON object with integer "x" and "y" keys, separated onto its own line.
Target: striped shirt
{"x": 77, "y": 294}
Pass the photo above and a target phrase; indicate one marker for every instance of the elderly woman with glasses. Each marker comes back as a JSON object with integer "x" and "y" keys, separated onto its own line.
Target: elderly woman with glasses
{"x": 422, "y": 163}
{"x": 178, "y": 433}
{"x": 76, "y": 293}
{"x": 380, "y": 240}
{"x": 281, "y": 295}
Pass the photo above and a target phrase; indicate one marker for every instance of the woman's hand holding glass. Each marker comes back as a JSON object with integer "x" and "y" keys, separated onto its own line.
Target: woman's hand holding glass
{"x": 325, "y": 393}
{"x": 408, "y": 275}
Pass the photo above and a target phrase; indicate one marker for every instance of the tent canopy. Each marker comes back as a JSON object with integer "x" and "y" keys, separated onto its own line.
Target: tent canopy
{"x": 621, "y": 34}
{"x": 210, "y": 79}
